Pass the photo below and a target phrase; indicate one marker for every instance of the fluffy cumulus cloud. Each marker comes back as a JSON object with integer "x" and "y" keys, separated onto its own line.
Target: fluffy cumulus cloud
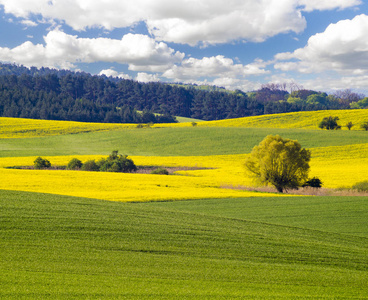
{"x": 342, "y": 47}
{"x": 113, "y": 73}
{"x": 181, "y": 21}
{"x": 140, "y": 52}
{"x": 145, "y": 77}
{"x": 215, "y": 66}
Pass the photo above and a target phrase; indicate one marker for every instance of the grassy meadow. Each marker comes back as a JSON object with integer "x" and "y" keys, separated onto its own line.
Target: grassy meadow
{"x": 61, "y": 239}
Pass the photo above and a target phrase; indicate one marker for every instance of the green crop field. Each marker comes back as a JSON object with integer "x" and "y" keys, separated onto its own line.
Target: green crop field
{"x": 172, "y": 141}
{"x": 61, "y": 247}
{"x": 238, "y": 245}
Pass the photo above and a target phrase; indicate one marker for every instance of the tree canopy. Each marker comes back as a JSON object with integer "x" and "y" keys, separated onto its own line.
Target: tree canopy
{"x": 329, "y": 123}
{"x": 280, "y": 162}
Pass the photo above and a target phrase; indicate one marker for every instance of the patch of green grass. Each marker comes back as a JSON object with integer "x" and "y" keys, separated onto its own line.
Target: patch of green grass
{"x": 186, "y": 120}
{"x": 346, "y": 215}
{"x": 68, "y": 248}
{"x": 171, "y": 141}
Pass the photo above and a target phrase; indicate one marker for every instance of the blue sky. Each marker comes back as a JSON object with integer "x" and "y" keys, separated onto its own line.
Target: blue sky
{"x": 237, "y": 44}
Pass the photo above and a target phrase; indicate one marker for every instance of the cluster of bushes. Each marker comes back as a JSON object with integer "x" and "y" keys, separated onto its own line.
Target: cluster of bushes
{"x": 330, "y": 123}
{"x": 361, "y": 186}
{"x": 114, "y": 163}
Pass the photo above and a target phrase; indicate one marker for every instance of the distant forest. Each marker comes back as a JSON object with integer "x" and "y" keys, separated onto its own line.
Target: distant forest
{"x": 65, "y": 95}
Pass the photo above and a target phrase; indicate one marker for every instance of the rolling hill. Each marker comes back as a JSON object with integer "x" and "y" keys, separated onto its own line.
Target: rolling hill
{"x": 61, "y": 239}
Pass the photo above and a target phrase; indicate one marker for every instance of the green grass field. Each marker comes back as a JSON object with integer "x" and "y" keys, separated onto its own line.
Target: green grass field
{"x": 60, "y": 247}
{"x": 172, "y": 141}
{"x": 303, "y": 247}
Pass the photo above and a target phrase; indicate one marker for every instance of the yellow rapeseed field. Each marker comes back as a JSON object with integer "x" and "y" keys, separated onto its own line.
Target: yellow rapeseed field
{"x": 196, "y": 184}
{"x": 340, "y": 166}
{"x": 305, "y": 119}
{"x": 21, "y": 128}
{"x": 335, "y": 166}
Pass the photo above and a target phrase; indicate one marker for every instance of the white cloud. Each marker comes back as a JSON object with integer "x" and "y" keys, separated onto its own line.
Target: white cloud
{"x": 310, "y": 5}
{"x": 145, "y": 77}
{"x": 329, "y": 84}
{"x": 29, "y": 23}
{"x": 342, "y": 47}
{"x": 63, "y": 50}
{"x": 113, "y": 73}
{"x": 180, "y": 21}
{"x": 215, "y": 66}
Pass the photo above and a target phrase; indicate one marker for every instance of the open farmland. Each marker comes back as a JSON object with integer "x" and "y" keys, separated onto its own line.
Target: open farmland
{"x": 223, "y": 243}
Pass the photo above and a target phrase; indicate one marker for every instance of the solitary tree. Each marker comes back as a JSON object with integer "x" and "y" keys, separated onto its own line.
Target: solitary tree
{"x": 280, "y": 162}
{"x": 74, "y": 164}
{"x": 329, "y": 123}
{"x": 364, "y": 126}
{"x": 41, "y": 163}
{"x": 349, "y": 125}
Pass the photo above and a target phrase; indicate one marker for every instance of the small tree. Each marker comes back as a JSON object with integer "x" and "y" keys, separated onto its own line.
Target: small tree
{"x": 329, "y": 123}
{"x": 364, "y": 126}
{"x": 41, "y": 163}
{"x": 349, "y": 125}
{"x": 74, "y": 164}
{"x": 116, "y": 163}
{"x": 279, "y": 162}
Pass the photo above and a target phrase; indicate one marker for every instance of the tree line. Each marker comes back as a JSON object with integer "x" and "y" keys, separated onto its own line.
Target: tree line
{"x": 65, "y": 95}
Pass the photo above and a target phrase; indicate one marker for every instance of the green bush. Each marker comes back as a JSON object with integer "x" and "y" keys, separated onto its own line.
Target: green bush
{"x": 364, "y": 126}
{"x": 90, "y": 165}
{"x": 41, "y": 163}
{"x": 313, "y": 182}
{"x": 329, "y": 123}
{"x": 74, "y": 164}
{"x": 116, "y": 163}
{"x": 361, "y": 186}
{"x": 160, "y": 171}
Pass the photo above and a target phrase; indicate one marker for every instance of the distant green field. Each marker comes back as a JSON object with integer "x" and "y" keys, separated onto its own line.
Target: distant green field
{"x": 346, "y": 215}
{"x": 56, "y": 247}
{"x": 172, "y": 141}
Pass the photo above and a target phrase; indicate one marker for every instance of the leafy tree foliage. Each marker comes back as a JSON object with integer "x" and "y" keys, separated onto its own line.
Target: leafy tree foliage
{"x": 329, "y": 123}
{"x": 364, "y": 126}
{"x": 74, "y": 164}
{"x": 64, "y": 95}
{"x": 349, "y": 125}
{"x": 116, "y": 163}
{"x": 280, "y": 162}
{"x": 41, "y": 163}
{"x": 90, "y": 165}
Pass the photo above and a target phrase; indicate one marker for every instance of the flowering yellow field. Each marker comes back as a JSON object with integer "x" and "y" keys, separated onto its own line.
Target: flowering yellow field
{"x": 340, "y": 166}
{"x": 335, "y": 166}
{"x": 305, "y": 119}
{"x": 197, "y": 184}
{"x": 20, "y": 128}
